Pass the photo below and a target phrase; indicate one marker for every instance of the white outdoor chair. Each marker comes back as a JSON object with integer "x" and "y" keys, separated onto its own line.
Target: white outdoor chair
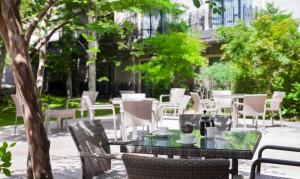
{"x": 204, "y": 104}
{"x": 133, "y": 96}
{"x": 174, "y": 96}
{"x": 18, "y": 111}
{"x": 86, "y": 101}
{"x": 136, "y": 113}
{"x": 91, "y": 94}
{"x": 126, "y": 92}
{"x": 274, "y": 104}
{"x": 223, "y": 99}
{"x": 169, "y": 111}
{"x": 253, "y": 105}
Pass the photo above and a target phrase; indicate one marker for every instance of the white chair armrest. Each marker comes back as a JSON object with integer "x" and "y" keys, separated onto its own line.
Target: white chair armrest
{"x": 99, "y": 107}
{"x": 238, "y": 104}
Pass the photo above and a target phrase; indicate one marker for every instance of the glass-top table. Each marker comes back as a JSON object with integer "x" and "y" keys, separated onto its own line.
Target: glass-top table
{"x": 227, "y": 144}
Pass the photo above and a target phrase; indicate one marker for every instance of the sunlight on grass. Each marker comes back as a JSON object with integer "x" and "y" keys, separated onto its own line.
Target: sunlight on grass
{"x": 8, "y": 111}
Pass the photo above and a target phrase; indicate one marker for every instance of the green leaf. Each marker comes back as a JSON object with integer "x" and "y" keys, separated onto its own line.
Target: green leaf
{"x": 103, "y": 79}
{"x": 93, "y": 50}
{"x": 91, "y": 62}
{"x": 13, "y": 144}
{"x": 6, "y": 172}
{"x": 197, "y": 3}
{"x": 5, "y": 144}
{"x": 6, "y": 164}
{"x": 88, "y": 37}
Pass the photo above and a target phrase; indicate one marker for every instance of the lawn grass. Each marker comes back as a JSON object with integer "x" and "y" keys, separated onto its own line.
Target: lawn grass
{"x": 8, "y": 111}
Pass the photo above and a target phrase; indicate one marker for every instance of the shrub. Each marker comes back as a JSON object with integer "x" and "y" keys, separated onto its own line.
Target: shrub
{"x": 5, "y": 158}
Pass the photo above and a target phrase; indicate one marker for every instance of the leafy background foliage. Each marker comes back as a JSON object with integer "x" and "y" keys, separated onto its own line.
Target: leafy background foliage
{"x": 267, "y": 54}
{"x": 174, "y": 58}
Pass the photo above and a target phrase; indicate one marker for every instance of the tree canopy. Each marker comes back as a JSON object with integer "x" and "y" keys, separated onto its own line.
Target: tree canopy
{"x": 267, "y": 52}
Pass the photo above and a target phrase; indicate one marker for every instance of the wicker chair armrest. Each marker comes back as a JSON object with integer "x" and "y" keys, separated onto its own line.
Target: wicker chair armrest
{"x": 107, "y": 156}
{"x": 119, "y": 142}
{"x": 258, "y": 162}
{"x": 274, "y": 147}
{"x": 163, "y": 96}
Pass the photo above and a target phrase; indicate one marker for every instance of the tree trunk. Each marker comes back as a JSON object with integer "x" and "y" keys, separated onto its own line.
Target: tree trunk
{"x": 133, "y": 74}
{"x": 69, "y": 85}
{"x": 2, "y": 63}
{"x": 16, "y": 43}
{"x": 92, "y": 56}
{"x": 41, "y": 69}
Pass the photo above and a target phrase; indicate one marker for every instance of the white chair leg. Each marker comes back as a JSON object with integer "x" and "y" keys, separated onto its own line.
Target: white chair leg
{"x": 264, "y": 116}
{"x": 134, "y": 132}
{"x": 125, "y": 134}
{"x": 245, "y": 124}
{"x": 16, "y": 121}
{"x": 280, "y": 116}
{"x": 81, "y": 114}
{"x": 115, "y": 127}
{"x": 271, "y": 118}
{"x": 256, "y": 121}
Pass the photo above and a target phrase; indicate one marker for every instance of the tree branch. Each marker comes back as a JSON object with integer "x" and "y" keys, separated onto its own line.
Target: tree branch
{"x": 3, "y": 30}
{"x": 39, "y": 17}
{"x": 44, "y": 40}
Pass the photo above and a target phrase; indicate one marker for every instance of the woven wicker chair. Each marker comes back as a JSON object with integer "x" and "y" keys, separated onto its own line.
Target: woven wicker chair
{"x": 93, "y": 147}
{"x": 274, "y": 104}
{"x": 140, "y": 167}
{"x": 136, "y": 113}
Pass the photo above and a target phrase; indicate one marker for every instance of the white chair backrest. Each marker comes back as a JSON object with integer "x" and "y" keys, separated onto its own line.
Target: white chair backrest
{"x": 221, "y": 92}
{"x": 223, "y": 98}
{"x": 126, "y": 92}
{"x": 197, "y": 100}
{"x": 254, "y": 104}
{"x": 133, "y": 96}
{"x": 17, "y": 105}
{"x": 137, "y": 113}
{"x": 185, "y": 100}
{"x": 176, "y": 94}
{"x": 276, "y": 100}
{"x": 86, "y": 101}
{"x": 92, "y": 96}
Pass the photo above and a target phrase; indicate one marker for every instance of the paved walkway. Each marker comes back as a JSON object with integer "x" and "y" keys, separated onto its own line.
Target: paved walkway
{"x": 66, "y": 164}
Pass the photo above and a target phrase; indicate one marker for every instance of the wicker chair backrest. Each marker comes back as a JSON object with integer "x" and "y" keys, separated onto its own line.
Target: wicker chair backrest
{"x": 197, "y": 100}
{"x": 254, "y": 104}
{"x": 90, "y": 138}
{"x": 276, "y": 100}
{"x": 140, "y": 167}
{"x": 137, "y": 113}
{"x": 223, "y": 98}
